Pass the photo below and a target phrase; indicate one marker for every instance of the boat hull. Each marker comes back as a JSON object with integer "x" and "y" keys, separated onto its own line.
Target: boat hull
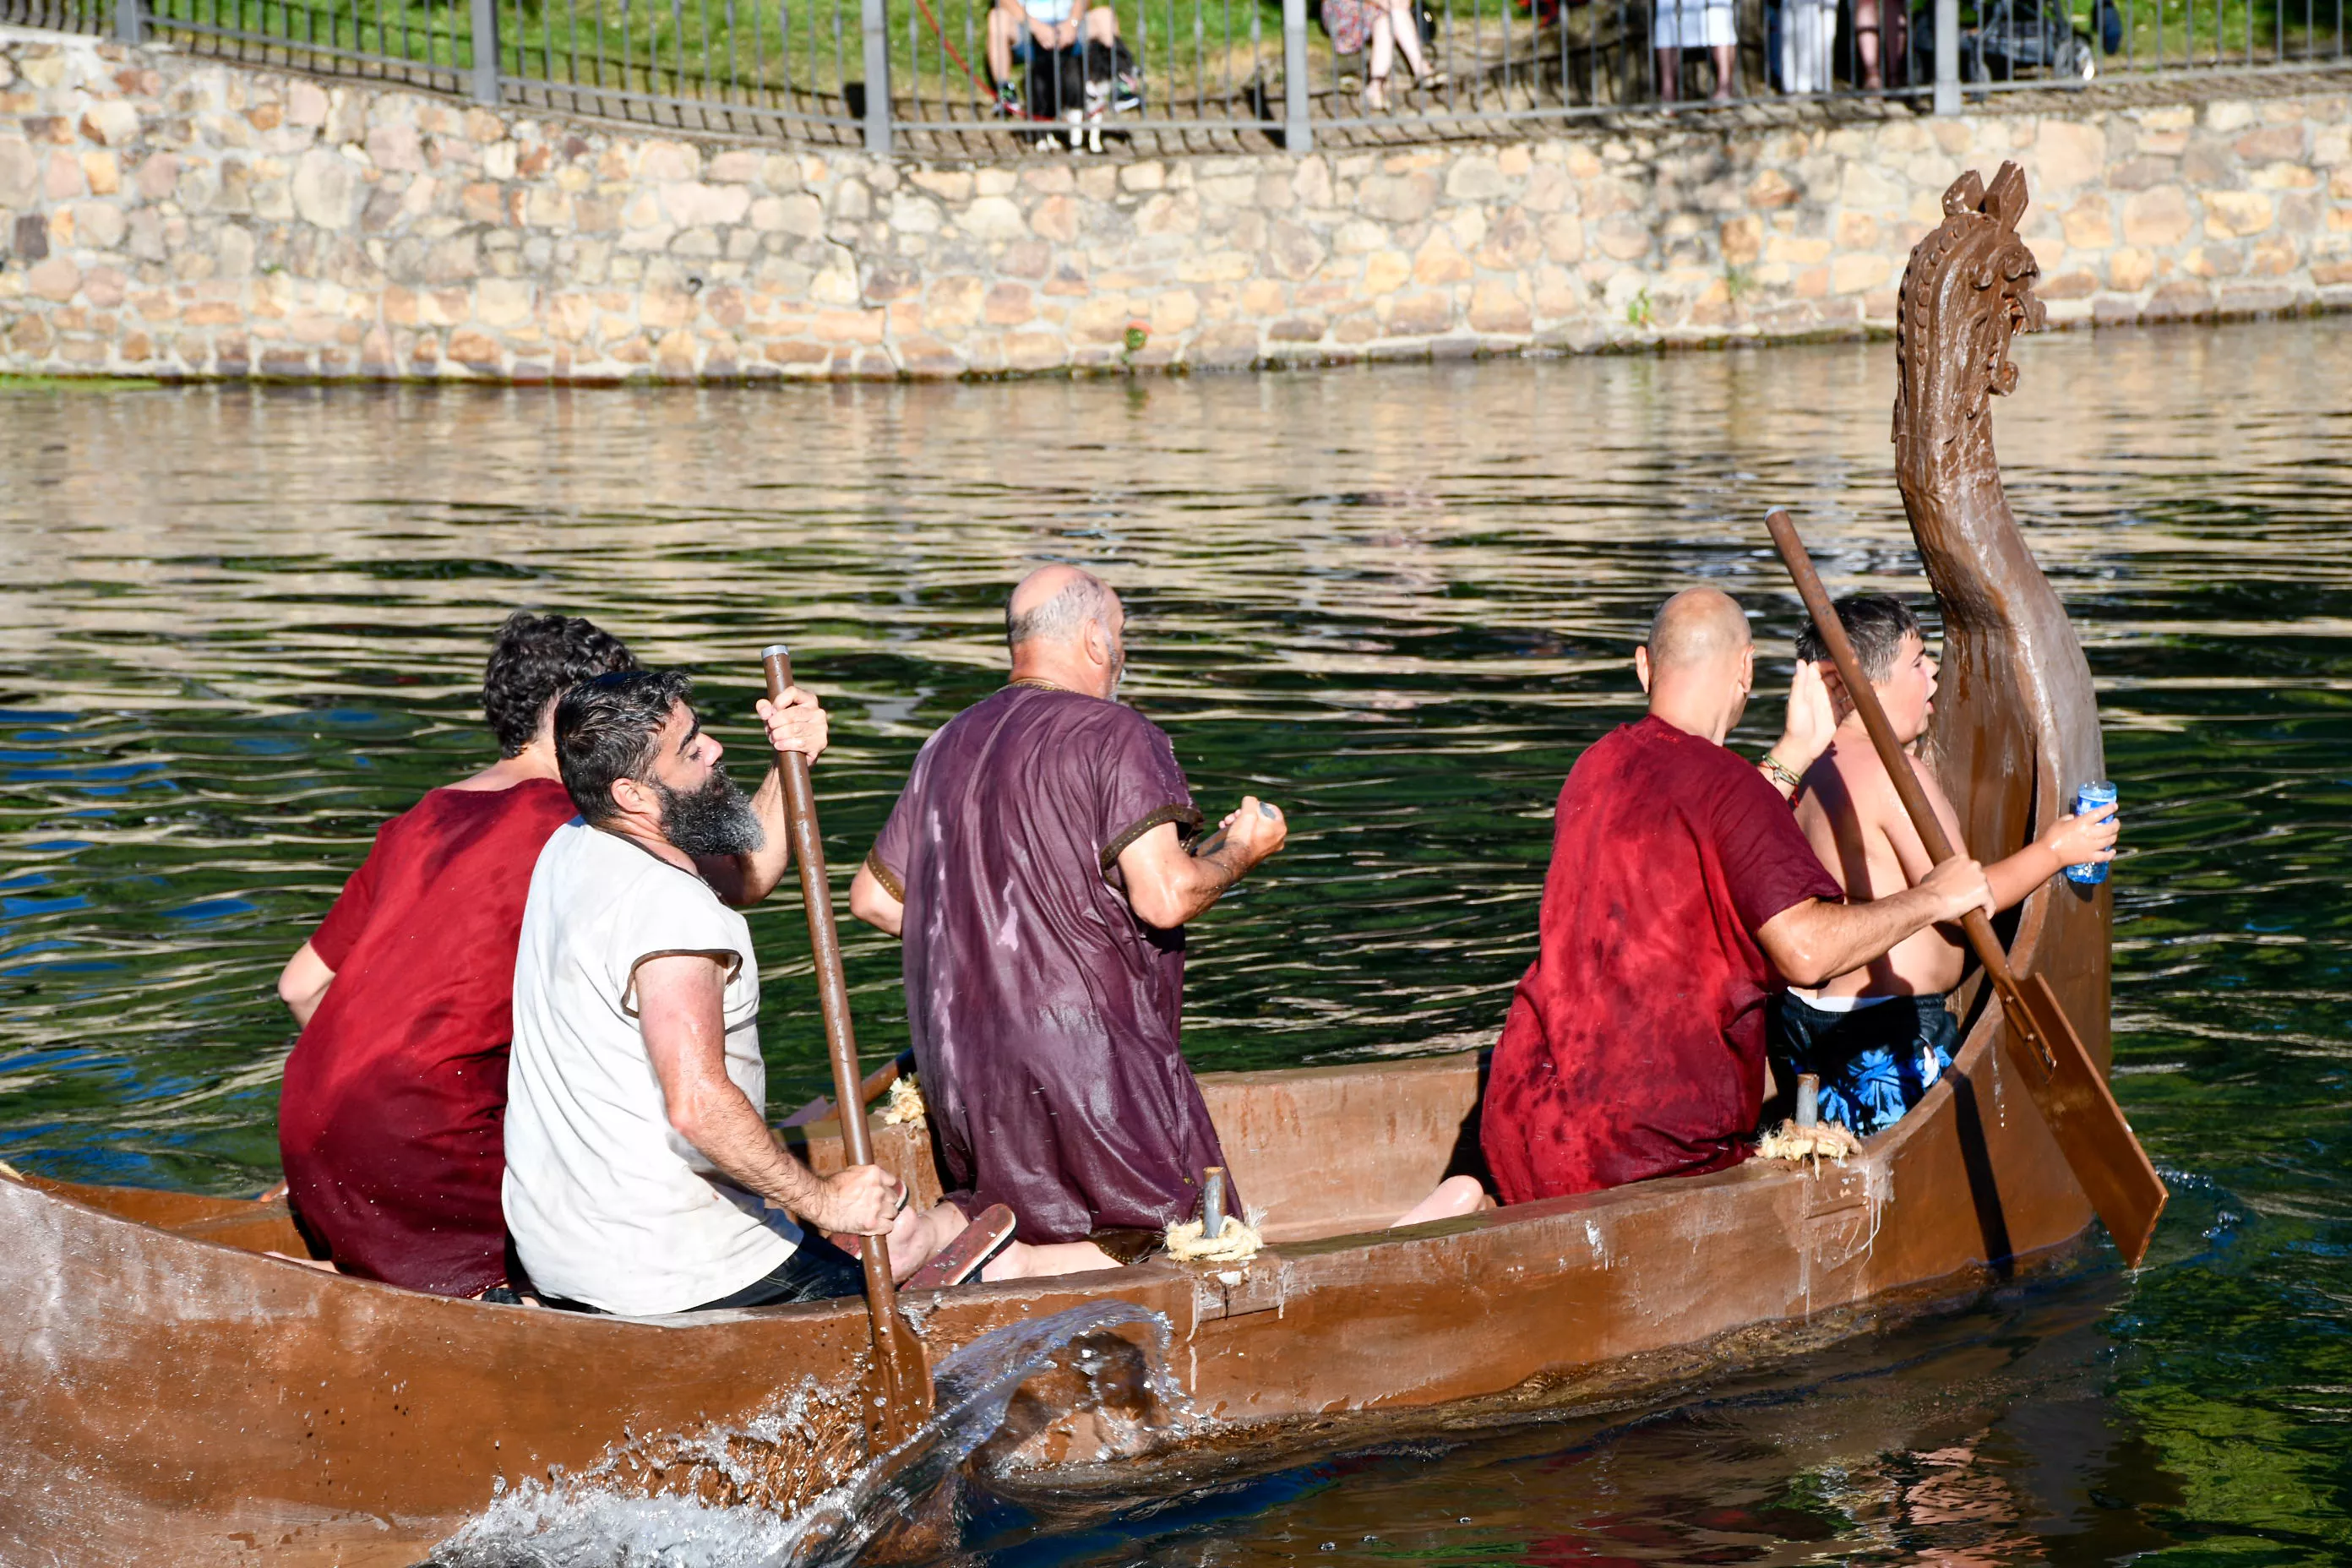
{"x": 171, "y": 1392}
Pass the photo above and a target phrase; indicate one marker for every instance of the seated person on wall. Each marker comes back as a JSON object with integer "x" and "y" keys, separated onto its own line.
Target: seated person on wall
{"x": 1035, "y": 871}
{"x": 642, "y": 1176}
{"x": 1878, "y": 1035}
{"x": 389, "y": 1119}
{"x": 1017, "y": 29}
{"x": 1680, "y": 894}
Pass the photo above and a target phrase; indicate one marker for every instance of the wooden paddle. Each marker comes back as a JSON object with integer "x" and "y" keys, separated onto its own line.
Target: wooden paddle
{"x": 898, "y": 1387}
{"x": 2065, "y": 1085}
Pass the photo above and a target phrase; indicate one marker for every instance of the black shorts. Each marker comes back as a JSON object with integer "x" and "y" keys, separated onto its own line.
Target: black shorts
{"x": 1873, "y": 1062}
{"x": 816, "y": 1271}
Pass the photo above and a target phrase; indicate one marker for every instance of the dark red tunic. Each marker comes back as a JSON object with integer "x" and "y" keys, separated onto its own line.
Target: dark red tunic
{"x": 1044, "y": 1015}
{"x": 1635, "y": 1042}
{"x": 393, "y": 1114}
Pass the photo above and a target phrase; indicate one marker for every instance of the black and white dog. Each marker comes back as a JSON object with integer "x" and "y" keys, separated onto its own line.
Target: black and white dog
{"x": 1076, "y": 86}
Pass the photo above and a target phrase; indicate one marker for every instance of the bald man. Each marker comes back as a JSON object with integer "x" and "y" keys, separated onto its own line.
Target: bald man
{"x": 1681, "y": 894}
{"x": 1036, "y": 871}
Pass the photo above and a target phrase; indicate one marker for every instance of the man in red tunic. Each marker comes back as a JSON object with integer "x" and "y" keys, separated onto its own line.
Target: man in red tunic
{"x": 391, "y": 1119}
{"x": 1680, "y": 895}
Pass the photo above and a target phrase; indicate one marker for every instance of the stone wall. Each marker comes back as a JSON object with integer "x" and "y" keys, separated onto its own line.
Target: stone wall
{"x": 167, "y": 214}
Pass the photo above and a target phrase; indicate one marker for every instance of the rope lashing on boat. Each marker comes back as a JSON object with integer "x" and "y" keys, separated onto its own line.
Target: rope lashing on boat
{"x": 1805, "y": 1136}
{"x": 1216, "y": 1236}
{"x": 1238, "y": 1243}
{"x": 1825, "y": 1140}
{"x": 904, "y": 1107}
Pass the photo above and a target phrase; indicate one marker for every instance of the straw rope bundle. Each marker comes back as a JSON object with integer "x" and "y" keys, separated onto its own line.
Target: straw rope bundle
{"x": 1237, "y": 1243}
{"x": 1821, "y": 1140}
{"x": 904, "y": 1107}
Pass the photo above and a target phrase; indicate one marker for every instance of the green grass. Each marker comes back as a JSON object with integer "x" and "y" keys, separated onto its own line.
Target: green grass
{"x": 777, "y": 55}
{"x": 76, "y": 383}
{"x": 798, "y": 54}
{"x": 2224, "y": 32}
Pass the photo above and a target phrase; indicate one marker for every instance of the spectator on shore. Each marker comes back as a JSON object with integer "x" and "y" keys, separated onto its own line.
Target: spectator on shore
{"x": 1017, "y": 29}
{"x": 1892, "y": 45}
{"x": 1694, "y": 25}
{"x": 1808, "y": 44}
{"x": 1387, "y": 25}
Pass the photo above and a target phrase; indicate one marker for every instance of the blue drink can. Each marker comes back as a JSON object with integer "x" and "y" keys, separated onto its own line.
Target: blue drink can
{"x": 2090, "y": 798}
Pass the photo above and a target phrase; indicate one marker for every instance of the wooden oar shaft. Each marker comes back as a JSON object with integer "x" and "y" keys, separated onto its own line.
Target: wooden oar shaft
{"x": 1980, "y": 936}
{"x": 2065, "y": 1084}
{"x": 902, "y": 1386}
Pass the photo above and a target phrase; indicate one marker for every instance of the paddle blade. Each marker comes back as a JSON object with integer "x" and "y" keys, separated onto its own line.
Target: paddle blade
{"x": 2073, "y": 1099}
{"x": 898, "y": 1382}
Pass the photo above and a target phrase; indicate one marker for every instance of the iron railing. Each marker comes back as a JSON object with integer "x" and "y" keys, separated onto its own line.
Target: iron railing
{"x": 1173, "y": 75}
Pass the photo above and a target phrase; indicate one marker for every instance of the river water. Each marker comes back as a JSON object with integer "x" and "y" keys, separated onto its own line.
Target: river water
{"x": 237, "y": 628}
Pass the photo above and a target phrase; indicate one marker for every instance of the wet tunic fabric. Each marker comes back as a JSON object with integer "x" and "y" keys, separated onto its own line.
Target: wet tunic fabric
{"x": 392, "y": 1116}
{"x": 1635, "y": 1046}
{"x": 1045, "y": 1017}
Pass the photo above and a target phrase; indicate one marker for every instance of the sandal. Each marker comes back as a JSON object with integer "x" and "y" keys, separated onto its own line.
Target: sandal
{"x": 961, "y": 1260}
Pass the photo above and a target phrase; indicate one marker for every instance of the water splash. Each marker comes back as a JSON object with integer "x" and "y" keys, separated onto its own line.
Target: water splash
{"x": 602, "y": 1518}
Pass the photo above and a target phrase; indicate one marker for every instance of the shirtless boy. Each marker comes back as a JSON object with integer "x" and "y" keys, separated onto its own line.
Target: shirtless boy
{"x": 1879, "y": 1036}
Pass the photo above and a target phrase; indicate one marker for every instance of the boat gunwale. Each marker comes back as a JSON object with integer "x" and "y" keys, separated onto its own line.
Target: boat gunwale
{"x": 1305, "y": 1256}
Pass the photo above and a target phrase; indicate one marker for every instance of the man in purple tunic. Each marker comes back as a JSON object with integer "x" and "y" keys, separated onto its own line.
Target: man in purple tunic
{"x": 1036, "y": 869}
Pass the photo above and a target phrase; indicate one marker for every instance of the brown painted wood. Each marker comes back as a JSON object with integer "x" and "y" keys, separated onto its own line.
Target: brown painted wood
{"x": 2071, "y": 1095}
{"x": 171, "y": 1396}
{"x": 899, "y": 1393}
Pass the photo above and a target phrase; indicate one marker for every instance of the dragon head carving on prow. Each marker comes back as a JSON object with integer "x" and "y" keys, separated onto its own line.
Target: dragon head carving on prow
{"x": 1968, "y": 290}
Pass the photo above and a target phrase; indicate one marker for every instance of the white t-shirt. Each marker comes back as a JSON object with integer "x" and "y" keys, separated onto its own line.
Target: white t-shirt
{"x": 607, "y": 1204}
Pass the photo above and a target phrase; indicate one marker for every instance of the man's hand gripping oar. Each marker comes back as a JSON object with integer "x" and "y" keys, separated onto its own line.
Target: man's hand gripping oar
{"x": 2065, "y": 1085}
{"x": 898, "y": 1394}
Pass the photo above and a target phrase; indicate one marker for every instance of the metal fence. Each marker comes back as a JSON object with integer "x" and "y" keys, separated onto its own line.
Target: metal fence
{"x": 988, "y": 76}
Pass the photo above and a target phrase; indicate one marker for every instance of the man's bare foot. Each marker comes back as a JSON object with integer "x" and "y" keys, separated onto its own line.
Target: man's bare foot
{"x": 915, "y": 1236}
{"x": 1454, "y": 1197}
{"x": 1026, "y": 1260}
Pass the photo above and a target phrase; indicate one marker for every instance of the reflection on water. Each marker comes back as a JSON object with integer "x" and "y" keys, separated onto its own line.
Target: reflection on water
{"x": 241, "y": 628}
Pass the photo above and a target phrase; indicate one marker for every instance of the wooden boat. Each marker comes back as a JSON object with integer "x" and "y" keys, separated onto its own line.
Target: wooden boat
{"x": 172, "y": 1394}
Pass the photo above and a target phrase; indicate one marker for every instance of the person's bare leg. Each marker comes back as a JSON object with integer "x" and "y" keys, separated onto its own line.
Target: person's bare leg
{"x": 1000, "y": 45}
{"x": 1727, "y": 70}
{"x": 1039, "y": 1261}
{"x": 1102, "y": 24}
{"x": 1669, "y": 70}
{"x": 1865, "y": 39}
{"x": 1406, "y": 27}
{"x": 1376, "y": 68}
{"x": 1454, "y": 1197}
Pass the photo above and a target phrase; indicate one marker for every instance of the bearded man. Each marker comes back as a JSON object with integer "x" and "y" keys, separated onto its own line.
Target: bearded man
{"x": 641, "y": 1175}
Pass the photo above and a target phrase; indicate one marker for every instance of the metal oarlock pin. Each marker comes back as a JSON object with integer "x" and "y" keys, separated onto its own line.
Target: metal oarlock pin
{"x": 1213, "y": 1202}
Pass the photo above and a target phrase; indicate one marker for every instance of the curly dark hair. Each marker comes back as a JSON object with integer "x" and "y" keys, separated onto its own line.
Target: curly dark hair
{"x": 609, "y": 728}
{"x": 535, "y": 661}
